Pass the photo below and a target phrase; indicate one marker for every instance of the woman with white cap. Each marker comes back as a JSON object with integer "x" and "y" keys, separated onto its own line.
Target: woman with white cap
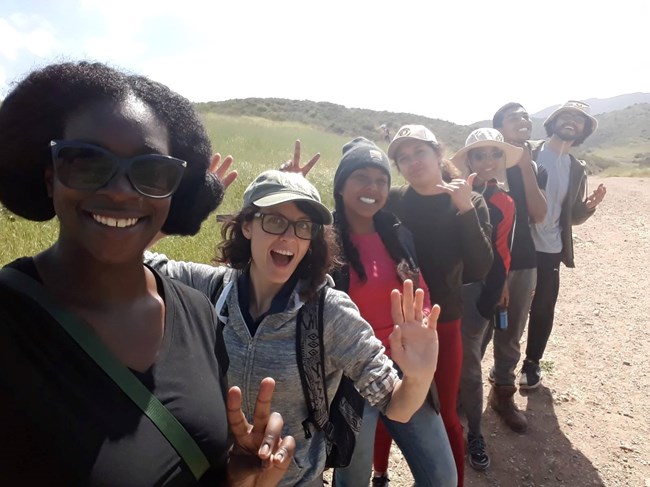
{"x": 451, "y": 229}
{"x": 278, "y": 249}
{"x": 488, "y": 156}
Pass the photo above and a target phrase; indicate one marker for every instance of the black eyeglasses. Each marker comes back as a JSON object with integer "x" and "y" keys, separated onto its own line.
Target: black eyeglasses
{"x": 277, "y": 225}
{"x": 495, "y": 155}
{"x": 88, "y": 167}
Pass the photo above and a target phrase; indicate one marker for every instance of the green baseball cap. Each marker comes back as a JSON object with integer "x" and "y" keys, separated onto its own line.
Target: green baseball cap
{"x": 275, "y": 187}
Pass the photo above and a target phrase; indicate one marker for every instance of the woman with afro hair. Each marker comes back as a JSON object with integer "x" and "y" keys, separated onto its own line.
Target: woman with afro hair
{"x": 116, "y": 158}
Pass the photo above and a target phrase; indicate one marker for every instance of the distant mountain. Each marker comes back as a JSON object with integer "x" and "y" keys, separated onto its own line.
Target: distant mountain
{"x": 604, "y": 105}
{"x": 623, "y": 135}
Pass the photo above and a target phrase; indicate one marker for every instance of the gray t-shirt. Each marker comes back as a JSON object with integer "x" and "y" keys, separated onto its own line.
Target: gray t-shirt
{"x": 547, "y": 234}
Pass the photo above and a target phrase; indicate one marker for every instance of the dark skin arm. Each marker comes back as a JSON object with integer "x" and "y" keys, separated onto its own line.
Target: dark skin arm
{"x": 535, "y": 199}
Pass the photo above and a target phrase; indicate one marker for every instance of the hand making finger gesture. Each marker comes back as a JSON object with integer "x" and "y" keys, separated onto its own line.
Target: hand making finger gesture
{"x": 293, "y": 165}
{"x": 221, "y": 170}
{"x": 596, "y": 196}
{"x": 460, "y": 191}
{"x": 414, "y": 341}
{"x": 259, "y": 457}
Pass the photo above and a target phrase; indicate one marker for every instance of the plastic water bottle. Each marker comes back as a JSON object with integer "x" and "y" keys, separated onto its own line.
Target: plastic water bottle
{"x": 501, "y": 319}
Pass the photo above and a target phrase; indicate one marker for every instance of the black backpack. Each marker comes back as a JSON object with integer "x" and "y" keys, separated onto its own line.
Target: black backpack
{"x": 340, "y": 422}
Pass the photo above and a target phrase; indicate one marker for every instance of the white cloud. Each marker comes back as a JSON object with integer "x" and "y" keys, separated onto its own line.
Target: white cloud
{"x": 454, "y": 60}
{"x": 20, "y": 33}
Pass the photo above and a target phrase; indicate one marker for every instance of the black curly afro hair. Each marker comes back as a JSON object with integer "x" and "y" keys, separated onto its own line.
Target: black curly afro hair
{"x": 37, "y": 109}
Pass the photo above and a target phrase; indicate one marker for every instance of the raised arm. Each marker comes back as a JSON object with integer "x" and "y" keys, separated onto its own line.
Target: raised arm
{"x": 476, "y": 242}
{"x": 203, "y": 277}
{"x": 535, "y": 199}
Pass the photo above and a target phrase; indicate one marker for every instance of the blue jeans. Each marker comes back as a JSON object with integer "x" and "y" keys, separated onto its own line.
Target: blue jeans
{"x": 423, "y": 442}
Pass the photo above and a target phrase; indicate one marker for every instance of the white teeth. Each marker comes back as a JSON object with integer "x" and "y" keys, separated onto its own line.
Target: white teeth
{"x": 369, "y": 201}
{"x": 523, "y": 129}
{"x": 115, "y": 222}
{"x": 284, "y": 252}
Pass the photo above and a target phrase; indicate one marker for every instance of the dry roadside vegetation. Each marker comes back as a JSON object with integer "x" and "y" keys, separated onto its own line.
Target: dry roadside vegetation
{"x": 589, "y": 422}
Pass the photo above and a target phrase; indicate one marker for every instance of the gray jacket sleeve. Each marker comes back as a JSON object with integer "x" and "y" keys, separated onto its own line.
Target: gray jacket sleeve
{"x": 203, "y": 277}
{"x": 351, "y": 346}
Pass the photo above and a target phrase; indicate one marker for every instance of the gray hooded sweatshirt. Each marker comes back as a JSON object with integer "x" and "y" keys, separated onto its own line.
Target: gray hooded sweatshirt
{"x": 350, "y": 347}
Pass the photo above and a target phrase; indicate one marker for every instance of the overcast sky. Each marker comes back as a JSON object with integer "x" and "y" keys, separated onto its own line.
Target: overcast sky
{"x": 455, "y": 60}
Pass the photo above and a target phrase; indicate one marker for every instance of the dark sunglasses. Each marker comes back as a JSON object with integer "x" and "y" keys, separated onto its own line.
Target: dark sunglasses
{"x": 483, "y": 156}
{"x": 88, "y": 167}
{"x": 277, "y": 225}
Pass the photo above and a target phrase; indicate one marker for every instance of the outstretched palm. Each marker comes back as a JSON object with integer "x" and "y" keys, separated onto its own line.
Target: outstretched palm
{"x": 414, "y": 341}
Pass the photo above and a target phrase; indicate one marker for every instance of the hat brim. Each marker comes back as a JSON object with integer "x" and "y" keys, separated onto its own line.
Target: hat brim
{"x": 286, "y": 197}
{"x": 557, "y": 111}
{"x": 513, "y": 153}
{"x": 397, "y": 142}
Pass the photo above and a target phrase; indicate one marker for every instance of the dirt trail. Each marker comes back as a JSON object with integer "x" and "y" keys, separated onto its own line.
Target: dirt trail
{"x": 589, "y": 423}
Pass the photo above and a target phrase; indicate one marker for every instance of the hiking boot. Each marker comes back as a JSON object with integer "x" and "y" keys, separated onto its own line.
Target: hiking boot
{"x": 503, "y": 403}
{"x": 531, "y": 376}
{"x": 381, "y": 481}
{"x": 491, "y": 378}
{"x": 478, "y": 457}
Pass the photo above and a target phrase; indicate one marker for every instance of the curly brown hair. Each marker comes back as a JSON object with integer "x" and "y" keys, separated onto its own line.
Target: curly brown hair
{"x": 323, "y": 255}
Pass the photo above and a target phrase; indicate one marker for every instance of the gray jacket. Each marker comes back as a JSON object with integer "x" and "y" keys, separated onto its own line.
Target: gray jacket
{"x": 574, "y": 206}
{"x": 271, "y": 352}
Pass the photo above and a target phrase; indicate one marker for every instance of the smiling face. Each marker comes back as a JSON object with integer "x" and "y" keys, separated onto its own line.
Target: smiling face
{"x": 274, "y": 258}
{"x": 114, "y": 223}
{"x": 419, "y": 163}
{"x": 569, "y": 125}
{"x": 516, "y": 126}
{"x": 486, "y": 162}
{"x": 364, "y": 193}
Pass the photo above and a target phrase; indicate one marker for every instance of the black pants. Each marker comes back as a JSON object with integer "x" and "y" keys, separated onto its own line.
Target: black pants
{"x": 542, "y": 309}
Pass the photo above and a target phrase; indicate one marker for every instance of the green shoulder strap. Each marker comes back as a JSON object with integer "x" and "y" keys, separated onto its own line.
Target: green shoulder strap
{"x": 165, "y": 421}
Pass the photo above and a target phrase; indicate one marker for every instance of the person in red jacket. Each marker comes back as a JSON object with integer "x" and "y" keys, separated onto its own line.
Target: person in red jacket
{"x": 486, "y": 154}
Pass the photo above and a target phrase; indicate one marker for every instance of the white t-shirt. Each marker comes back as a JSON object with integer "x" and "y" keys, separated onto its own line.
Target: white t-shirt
{"x": 547, "y": 234}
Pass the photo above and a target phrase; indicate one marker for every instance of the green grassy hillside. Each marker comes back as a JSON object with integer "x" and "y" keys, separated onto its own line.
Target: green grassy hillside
{"x": 622, "y": 138}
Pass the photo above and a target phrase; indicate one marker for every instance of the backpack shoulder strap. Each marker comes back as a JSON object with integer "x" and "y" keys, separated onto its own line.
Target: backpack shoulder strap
{"x": 311, "y": 363}
{"x": 214, "y": 297}
{"x": 90, "y": 343}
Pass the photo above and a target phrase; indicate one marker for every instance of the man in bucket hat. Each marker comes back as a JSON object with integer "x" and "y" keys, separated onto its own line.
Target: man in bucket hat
{"x": 568, "y": 204}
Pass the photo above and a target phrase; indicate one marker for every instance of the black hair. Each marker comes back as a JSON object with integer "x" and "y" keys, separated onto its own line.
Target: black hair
{"x": 323, "y": 255}
{"x": 497, "y": 119}
{"x": 37, "y": 109}
{"x": 588, "y": 130}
